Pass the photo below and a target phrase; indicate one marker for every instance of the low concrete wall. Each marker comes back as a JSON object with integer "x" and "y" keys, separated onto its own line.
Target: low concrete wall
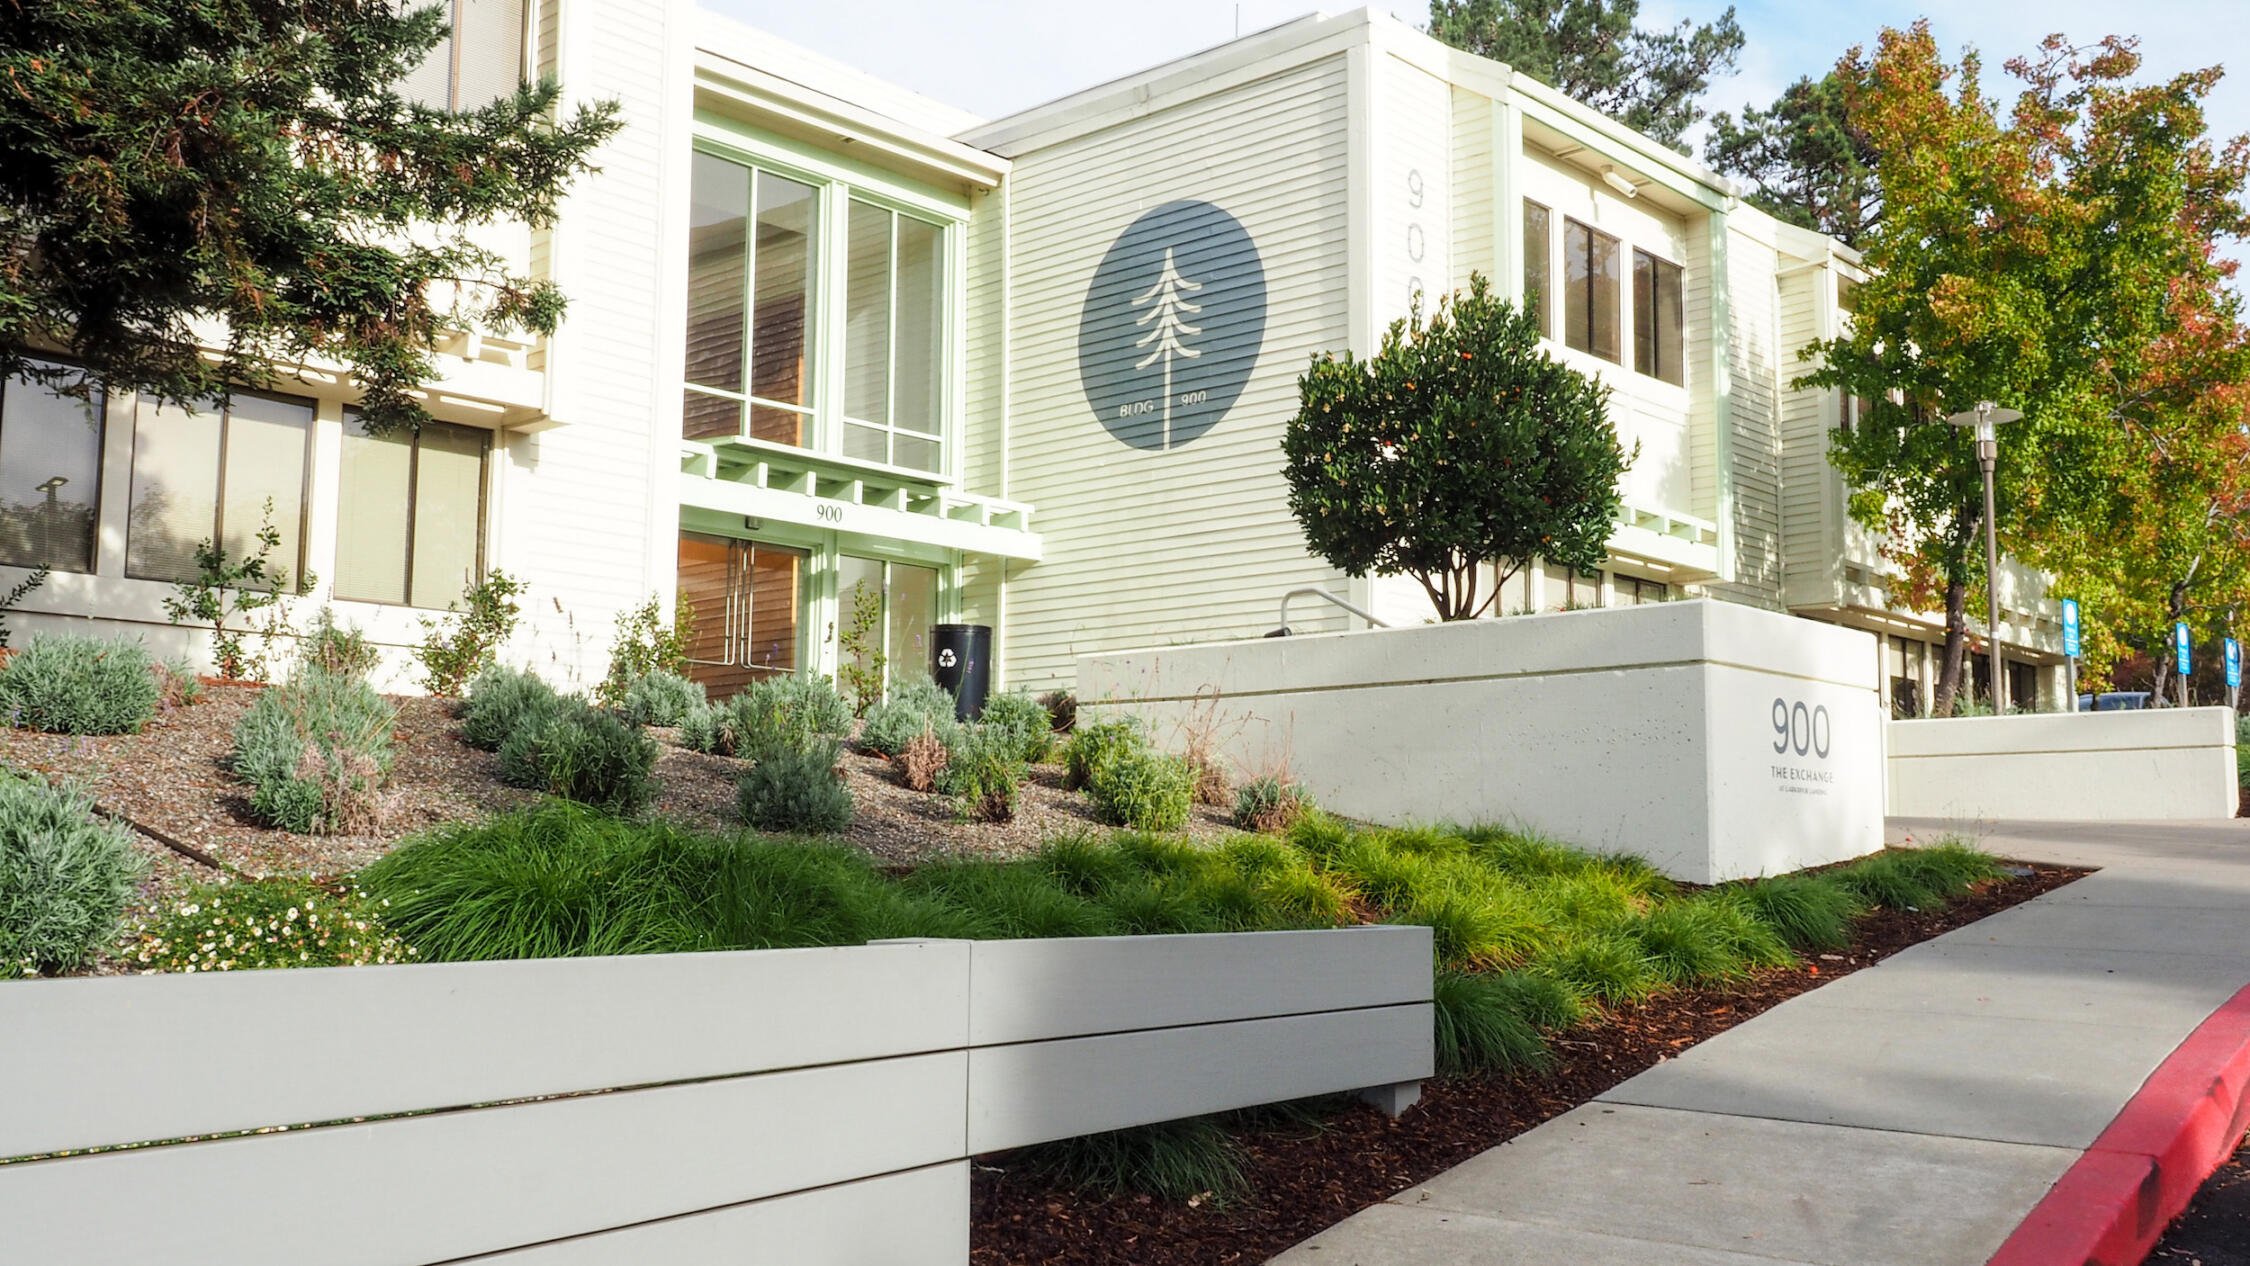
{"x": 1716, "y": 740}
{"x": 2170, "y": 763}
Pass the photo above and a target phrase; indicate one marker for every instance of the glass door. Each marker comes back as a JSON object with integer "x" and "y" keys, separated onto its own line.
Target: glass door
{"x": 885, "y": 609}
{"x": 747, "y": 603}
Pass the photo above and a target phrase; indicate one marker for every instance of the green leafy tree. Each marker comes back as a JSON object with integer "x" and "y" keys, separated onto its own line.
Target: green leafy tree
{"x": 1806, "y": 161}
{"x": 1460, "y": 445}
{"x": 2027, "y": 257}
{"x": 167, "y": 163}
{"x": 1595, "y": 52}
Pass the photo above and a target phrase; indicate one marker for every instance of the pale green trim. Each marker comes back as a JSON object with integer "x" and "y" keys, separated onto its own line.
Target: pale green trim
{"x": 721, "y": 134}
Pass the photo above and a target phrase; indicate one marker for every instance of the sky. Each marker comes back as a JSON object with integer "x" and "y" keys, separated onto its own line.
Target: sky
{"x": 993, "y": 57}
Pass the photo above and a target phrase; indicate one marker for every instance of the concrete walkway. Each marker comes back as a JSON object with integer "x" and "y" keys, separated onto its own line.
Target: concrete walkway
{"x": 1910, "y": 1113}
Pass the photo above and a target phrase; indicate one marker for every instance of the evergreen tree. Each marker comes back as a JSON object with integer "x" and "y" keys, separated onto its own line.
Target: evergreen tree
{"x": 245, "y": 175}
{"x": 1459, "y": 446}
{"x": 1805, "y": 160}
{"x": 1593, "y": 52}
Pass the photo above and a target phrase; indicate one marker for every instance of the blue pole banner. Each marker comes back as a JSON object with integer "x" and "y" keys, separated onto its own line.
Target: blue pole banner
{"x": 2234, "y": 663}
{"x": 2180, "y": 647}
{"x": 2070, "y": 627}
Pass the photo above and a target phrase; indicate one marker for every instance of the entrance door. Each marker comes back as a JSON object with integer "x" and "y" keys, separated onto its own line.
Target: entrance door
{"x": 747, "y": 602}
{"x": 886, "y": 609}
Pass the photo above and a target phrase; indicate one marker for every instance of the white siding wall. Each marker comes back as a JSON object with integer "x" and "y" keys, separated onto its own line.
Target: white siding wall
{"x": 984, "y": 425}
{"x": 1474, "y": 180}
{"x": 1147, "y": 548}
{"x": 1413, "y": 192}
{"x": 1754, "y": 368}
{"x": 1810, "y": 487}
{"x": 587, "y": 509}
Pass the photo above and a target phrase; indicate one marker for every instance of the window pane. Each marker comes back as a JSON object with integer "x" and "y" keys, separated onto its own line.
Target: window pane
{"x": 867, "y": 315}
{"x": 448, "y": 513}
{"x": 718, "y": 220}
{"x": 175, "y": 490}
{"x": 1592, "y": 283}
{"x": 914, "y": 452}
{"x": 866, "y": 443}
{"x": 783, "y": 314}
{"x": 706, "y": 417}
{"x": 778, "y": 426}
{"x": 921, "y": 326}
{"x": 859, "y": 599}
{"x": 490, "y": 33}
{"x": 372, "y": 514}
{"x": 50, "y": 476}
{"x": 1656, "y": 318}
{"x": 265, "y": 463}
{"x": 912, "y": 609}
{"x": 774, "y": 594}
{"x": 1538, "y": 267}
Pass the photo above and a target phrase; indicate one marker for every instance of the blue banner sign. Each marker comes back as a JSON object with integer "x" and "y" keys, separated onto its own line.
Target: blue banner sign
{"x": 2070, "y": 627}
{"x": 2234, "y": 663}
{"x": 2180, "y": 648}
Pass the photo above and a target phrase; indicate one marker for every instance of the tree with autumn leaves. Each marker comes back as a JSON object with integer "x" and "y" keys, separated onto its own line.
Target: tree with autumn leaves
{"x": 2054, "y": 255}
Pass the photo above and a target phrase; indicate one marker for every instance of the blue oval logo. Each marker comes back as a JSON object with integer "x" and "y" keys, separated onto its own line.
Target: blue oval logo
{"x": 1173, "y": 323}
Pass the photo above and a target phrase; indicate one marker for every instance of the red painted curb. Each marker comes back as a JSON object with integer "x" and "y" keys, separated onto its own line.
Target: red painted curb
{"x": 2112, "y": 1205}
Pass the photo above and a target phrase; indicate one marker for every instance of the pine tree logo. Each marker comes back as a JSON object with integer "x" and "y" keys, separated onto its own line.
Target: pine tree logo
{"x": 1166, "y": 301}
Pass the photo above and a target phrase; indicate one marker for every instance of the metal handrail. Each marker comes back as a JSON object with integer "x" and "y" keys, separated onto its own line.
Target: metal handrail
{"x": 1313, "y": 591}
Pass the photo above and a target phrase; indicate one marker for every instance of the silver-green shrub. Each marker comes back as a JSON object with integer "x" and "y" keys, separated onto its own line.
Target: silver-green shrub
{"x": 582, "y": 753}
{"x": 66, "y": 877}
{"x": 1146, "y": 790}
{"x": 1094, "y": 743}
{"x": 66, "y": 684}
{"x": 316, "y": 751}
{"x": 502, "y": 701}
{"x": 911, "y": 708}
{"x": 1025, "y": 720}
{"x": 984, "y": 771}
{"x": 1269, "y": 804}
{"x": 784, "y": 714}
{"x": 661, "y": 697}
{"x": 796, "y": 792}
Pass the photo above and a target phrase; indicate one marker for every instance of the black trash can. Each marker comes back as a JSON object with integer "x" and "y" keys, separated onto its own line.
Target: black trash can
{"x": 961, "y": 661}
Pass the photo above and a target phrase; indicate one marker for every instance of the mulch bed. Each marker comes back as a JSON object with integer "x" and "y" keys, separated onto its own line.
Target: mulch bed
{"x": 1306, "y": 1180}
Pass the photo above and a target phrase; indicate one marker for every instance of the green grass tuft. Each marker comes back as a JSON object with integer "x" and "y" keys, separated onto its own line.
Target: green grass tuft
{"x": 1482, "y": 1026}
{"x": 1177, "y": 1161}
{"x": 1810, "y": 912}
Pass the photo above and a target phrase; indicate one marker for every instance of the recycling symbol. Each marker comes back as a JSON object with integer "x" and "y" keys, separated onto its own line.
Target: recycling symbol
{"x": 946, "y": 659}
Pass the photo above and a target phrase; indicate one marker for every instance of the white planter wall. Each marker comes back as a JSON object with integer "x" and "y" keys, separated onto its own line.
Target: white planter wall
{"x": 1647, "y": 730}
{"x": 772, "y": 1108}
{"x": 2169, "y": 763}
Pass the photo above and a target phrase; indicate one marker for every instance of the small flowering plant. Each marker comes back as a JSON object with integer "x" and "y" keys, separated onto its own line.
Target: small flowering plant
{"x": 249, "y": 924}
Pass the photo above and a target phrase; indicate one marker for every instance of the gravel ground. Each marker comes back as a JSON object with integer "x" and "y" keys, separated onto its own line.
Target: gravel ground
{"x": 171, "y": 778}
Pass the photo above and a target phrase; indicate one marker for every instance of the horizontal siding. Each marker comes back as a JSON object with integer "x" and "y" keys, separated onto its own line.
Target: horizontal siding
{"x": 1809, "y": 486}
{"x": 1472, "y": 187}
{"x": 985, "y": 402}
{"x": 1195, "y": 543}
{"x": 1413, "y": 190}
{"x": 1753, "y": 367}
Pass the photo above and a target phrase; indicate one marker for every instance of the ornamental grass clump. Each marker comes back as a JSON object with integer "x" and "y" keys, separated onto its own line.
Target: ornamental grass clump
{"x": 1482, "y": 1025}
{"x": 1811, "y": 912}
{"x": 1916, "y": 878}
{"x": 1269, "y": 804}
{"x": 582, "y": 753}
{"x": 253, "y": 924}
{"x": 796, "y": 792}
{"x": 65, "y": 877}
{"x": 316, "y": 751}
{"x": 911, "y": 708}
{"x": 66, "y": 684}
{"x": 661, "y": 697}
{"x": 1145, "y": 790}
{"x": 1193, "y": 1161}
{"x": 502, "y": 701}
{"x": 984, "y": 772}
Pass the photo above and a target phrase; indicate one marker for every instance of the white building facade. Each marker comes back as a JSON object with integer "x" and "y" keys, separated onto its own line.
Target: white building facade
{"x": 841, "y": 364}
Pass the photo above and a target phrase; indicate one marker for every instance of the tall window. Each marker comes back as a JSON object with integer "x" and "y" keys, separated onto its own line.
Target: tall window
{"x": 410, "y": 510}
{"x": 1538, "y": 265}
{"x": 752, "y": 248}
{"x": 1592, "y": 280}
{"x": 50, "y": 476}
{"x": 894, "y": 324}
{"x": 1659, "y": 348}
{"x": 479, "y": 60}
{"x": 218, "y": 475}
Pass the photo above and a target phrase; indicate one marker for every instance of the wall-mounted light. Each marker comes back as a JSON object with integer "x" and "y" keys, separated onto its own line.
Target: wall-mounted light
{"x": 1620, "y": 183}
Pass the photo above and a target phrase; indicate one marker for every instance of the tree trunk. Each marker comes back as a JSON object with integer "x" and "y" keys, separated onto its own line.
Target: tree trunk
{"x": 1955, "y": 660}
{"x": 2175, "y": 609}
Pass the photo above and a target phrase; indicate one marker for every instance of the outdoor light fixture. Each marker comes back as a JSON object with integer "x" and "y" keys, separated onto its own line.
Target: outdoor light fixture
{"x": 1620, "y": 183}
{"x": 1985, "y": 420}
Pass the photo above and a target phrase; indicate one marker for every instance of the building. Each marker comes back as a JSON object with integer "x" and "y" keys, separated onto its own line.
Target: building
{"x": 842, "y": 363}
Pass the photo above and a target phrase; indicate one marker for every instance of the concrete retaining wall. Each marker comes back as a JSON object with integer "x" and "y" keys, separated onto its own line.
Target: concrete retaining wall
{"x": 2170, "y": 763}
{"x": 1714, "y": 739}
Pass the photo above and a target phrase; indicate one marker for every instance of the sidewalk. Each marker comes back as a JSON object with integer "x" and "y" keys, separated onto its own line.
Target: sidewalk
{"x": 1914, "y": 1112}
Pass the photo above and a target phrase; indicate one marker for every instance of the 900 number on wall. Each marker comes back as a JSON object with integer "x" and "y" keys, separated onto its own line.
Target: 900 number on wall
{"x": 1799, "y": 729}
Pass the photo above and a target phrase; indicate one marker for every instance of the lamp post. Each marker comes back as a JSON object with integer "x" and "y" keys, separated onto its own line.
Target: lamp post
{"x": 1983, "y": 420}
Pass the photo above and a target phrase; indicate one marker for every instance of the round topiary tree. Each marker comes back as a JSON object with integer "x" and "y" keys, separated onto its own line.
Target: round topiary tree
{"x": 1459, "y": 444}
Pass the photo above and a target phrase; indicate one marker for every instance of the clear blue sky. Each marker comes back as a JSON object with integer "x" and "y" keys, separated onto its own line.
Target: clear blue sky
{"x": 996, "y": 56}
